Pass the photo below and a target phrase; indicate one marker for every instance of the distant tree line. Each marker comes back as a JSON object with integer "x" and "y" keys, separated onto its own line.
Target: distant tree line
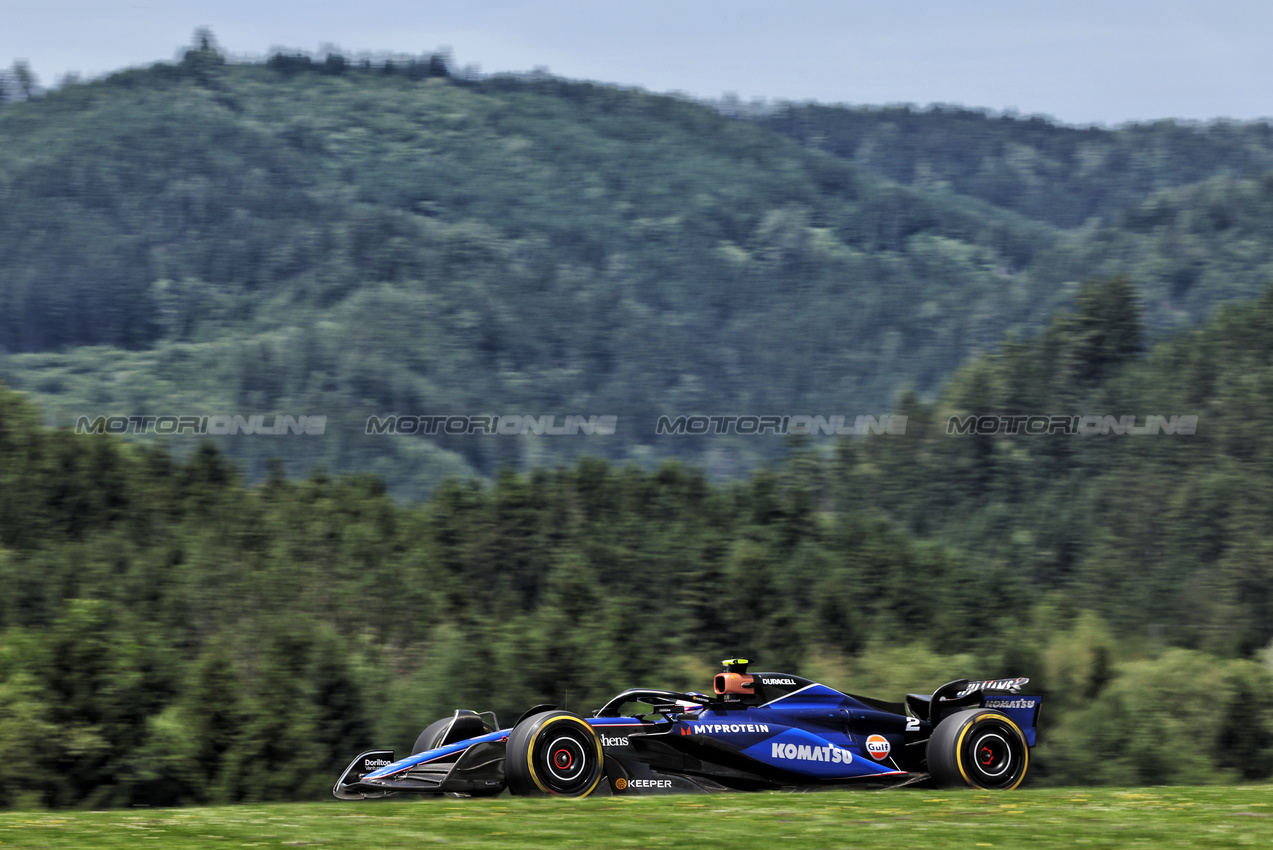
{"x": 1069, "y": 176}
{"x": 428, "y": 66}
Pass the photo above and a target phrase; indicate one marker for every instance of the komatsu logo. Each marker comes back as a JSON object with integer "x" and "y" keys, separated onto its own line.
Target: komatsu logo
{"x": 804, "y": 752}
{"x": 722, "y": 728}
{"x": 1010, "y": 703}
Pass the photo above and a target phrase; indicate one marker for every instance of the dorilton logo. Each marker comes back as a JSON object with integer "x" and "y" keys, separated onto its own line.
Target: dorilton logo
{"x": 804, "y": 752}
{"x": 375, "y": 764}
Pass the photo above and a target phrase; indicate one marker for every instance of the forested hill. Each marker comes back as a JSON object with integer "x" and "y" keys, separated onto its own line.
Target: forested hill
{"x": 324, "y": 238}
{"x": 1064, "y": 175}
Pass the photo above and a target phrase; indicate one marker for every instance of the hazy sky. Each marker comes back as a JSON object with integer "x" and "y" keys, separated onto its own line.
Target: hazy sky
{"x": 1080, "y": 61}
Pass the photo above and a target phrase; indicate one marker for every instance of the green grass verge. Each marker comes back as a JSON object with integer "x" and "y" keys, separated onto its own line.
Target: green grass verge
{"x": 1149, "y": 817}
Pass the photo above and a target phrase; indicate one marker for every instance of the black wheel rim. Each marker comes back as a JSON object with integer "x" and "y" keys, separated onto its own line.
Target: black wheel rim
{"x": 992, "y": 755}
{"x": 565, "y": 759}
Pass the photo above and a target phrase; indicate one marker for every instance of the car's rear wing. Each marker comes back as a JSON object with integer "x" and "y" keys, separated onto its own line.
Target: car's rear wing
{"x": 1000, "y": 694}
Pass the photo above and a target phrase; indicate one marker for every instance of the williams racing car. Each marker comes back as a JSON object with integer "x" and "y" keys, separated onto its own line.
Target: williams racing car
{"x": 757, "y": 731}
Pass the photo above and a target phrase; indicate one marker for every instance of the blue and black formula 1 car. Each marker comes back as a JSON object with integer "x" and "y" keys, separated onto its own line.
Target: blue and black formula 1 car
{"x": 758, "y": 731}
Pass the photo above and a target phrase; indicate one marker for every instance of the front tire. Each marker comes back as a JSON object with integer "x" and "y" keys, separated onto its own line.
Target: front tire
{"x": 448, "y": 730}
{"x": 554, "y": 752}
{"x": 978, "y": 748}
{"x": 431, "y": 737}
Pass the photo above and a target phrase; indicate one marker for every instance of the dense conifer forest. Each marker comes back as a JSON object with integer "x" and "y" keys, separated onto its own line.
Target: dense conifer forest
{"x": 171, "y": 634}
{"x": 191, "y": 620}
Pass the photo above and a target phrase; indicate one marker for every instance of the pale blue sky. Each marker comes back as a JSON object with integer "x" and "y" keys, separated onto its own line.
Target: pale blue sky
{"x": 1080, "y": 61}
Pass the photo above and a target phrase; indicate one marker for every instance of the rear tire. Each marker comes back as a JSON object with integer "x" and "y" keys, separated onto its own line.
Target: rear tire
{"x": 978, "y": 748}
{"x": 554, "y": 752}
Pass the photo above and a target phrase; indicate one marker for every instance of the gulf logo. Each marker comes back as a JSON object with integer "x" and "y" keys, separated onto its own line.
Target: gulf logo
{"x": 878, "y": 747}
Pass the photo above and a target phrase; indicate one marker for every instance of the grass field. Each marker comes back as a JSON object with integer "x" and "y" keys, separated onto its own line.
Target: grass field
{"x": 1070, "y": 818}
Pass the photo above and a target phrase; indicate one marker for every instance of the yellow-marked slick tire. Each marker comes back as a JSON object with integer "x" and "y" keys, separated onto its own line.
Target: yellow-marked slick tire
{"x": 978, "y": 748}
{"x": 553, "y": 752}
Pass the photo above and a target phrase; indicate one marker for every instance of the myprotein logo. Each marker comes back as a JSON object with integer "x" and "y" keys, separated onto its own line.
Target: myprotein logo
{"x": 1011, "y": 703}
{"x": 722, "y": 728}
{"x": 806, "y": 753}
